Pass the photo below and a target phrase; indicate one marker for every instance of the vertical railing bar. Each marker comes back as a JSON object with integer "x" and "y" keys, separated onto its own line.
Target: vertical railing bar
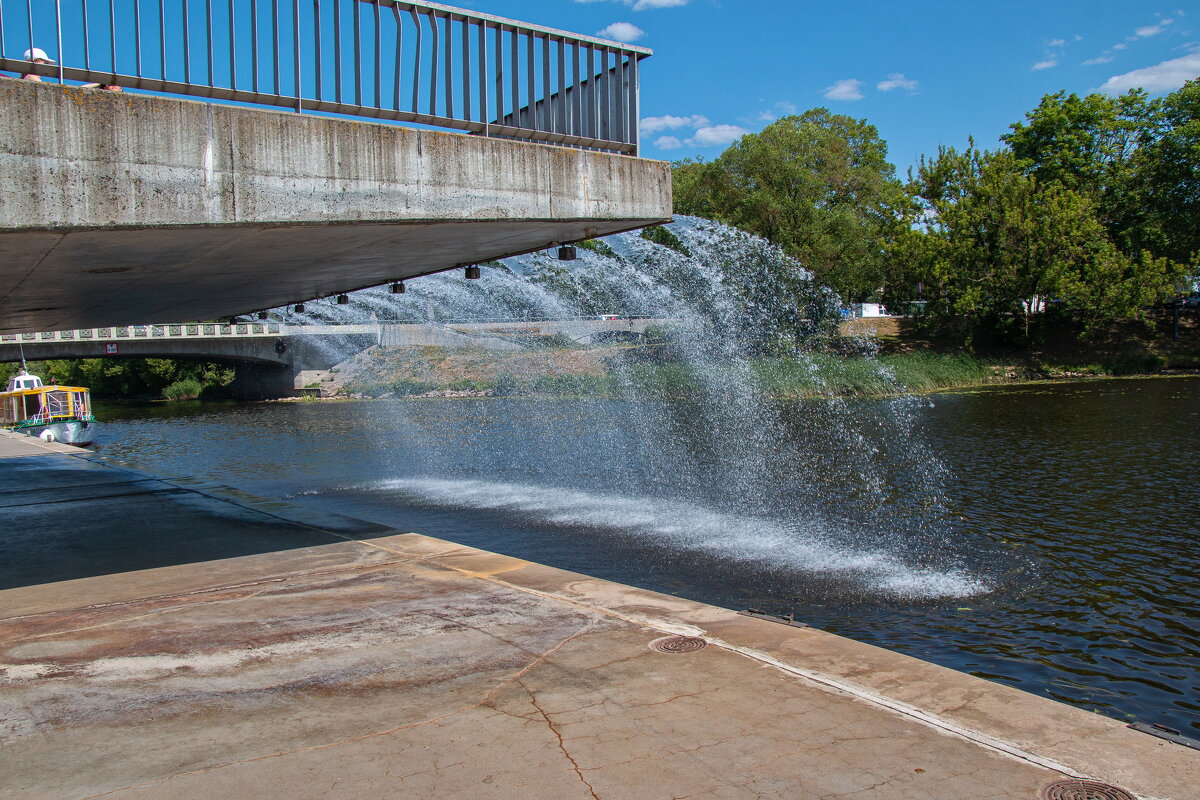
{"x": 378, "y": 58}
{"x": 466, "y": 68}
{"x": 337, "y": 50}
{"x": 137, "y": 37}
{"x": 187, "y": 44}
{"x": 208, "y": 28}
{"x": 298, "y": 78}
{"x": 416, "y": 103}
{"x": 530, "y": 81}
{"x": 585, "y": 75}
{"x": 232, "y": 46}
{"x": 434, "y": 51}
{"x": 632, "y": 122}
{"x": 2, "y": 25}
{"x": 499, "y": 115}
{"x": 87, "y": 56}
{"x": 275, "y": 47}
{"x": 620, "y": 96}
{"x": 162, "y": 35}
{"x": 357, "y": 56}
{"x": 514, "y": 53}
{"x": 636, "y": 111}
{"x": 484, "y": 79}
{"x": 254, "y": 46}
{"x": 577, "y": 92}
{"x": 112, "y": 33}
{"x": 593, "y": 94}
{"x": 547, "y": 120}
{"x": 399, "y": 51}
{"x": 29, "y": 18}
{"x": 58, "y": 36}
{"x": 316, "y": 24}
{"x": 598, "y": 92}
{"x": 449, "y": 66}
{"x": 561, "y": 110}
{"x": 606, "y": 119}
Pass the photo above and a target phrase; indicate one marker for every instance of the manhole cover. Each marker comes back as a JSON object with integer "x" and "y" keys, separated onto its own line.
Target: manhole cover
{"x": 1084, "y": 790}
{"x": 678, "y": 644}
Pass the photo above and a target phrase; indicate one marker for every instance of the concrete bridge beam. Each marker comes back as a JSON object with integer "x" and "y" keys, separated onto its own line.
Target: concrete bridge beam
{"x": 129, "y": 209}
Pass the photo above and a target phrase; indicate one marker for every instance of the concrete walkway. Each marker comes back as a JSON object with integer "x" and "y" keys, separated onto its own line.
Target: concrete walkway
{"x": 162, "y": 638}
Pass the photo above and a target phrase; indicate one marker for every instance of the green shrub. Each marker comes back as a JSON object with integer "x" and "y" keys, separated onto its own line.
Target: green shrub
{"x": 661, "y": 236}
{"x": 1137, "y": 365}
{"x": 597, "y": 246}
{"x": 186, "y": 389}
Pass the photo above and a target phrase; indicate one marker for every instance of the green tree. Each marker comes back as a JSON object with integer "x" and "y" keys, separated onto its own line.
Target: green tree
{"x": 989, "y": 244}
{"x": 818, "y": 185}
{"x": 1169, "y": 169}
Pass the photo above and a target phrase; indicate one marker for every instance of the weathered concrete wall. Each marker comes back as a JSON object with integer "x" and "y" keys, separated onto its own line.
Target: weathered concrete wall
{"x": 124, "y": 209}
{"x": 79, "y": 158}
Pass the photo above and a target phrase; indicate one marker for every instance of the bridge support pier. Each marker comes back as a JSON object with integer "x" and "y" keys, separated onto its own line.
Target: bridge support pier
{"x": 257, "y": 381}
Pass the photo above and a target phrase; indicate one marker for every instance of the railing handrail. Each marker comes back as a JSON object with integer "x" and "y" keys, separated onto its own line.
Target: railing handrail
{"x": 440, "y": 65}
{"x": 224, "y": 330}
{"x": 505, "y": 21}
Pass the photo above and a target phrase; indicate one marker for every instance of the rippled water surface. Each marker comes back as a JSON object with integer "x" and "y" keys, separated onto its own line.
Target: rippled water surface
{"x": 1065, "y": 560}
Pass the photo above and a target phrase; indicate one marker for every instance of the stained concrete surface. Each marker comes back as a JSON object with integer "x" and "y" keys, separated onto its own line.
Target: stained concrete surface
{"x": 376, "y": 664}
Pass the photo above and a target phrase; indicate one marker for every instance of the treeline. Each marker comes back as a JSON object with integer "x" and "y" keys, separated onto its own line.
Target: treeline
{"x": 134, "y": 378}
{"x": 1086, "y": 214}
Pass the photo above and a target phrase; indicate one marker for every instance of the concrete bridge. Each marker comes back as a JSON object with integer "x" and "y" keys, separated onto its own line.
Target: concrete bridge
{"x": 276, "y": 360}
{"x": 123, "y": 208}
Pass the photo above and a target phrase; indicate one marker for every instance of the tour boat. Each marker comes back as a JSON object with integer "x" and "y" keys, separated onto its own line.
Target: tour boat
{"x": 51, "y": 413}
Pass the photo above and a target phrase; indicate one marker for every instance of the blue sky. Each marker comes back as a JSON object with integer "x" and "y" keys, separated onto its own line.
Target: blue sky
{"x": 925, "y": 72}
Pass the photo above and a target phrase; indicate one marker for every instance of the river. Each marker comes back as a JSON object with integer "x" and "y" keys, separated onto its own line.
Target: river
{"x": 1064, "y": 562}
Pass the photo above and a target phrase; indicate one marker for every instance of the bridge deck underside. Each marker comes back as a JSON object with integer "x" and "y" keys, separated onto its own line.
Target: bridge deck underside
{"x": 86, "y": 278}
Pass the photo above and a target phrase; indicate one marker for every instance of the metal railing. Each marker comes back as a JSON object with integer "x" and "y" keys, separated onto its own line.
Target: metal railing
{"x": 223, "y": 330}
{"x": 405, "y": 60}
{"x": 194, "y": 330}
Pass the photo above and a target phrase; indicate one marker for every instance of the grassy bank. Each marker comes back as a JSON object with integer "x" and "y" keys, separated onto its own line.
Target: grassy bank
{"x": 615, "y": 372}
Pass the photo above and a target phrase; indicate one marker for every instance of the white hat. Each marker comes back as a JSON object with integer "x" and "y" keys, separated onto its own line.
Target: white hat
{"x": 36, "y": 53}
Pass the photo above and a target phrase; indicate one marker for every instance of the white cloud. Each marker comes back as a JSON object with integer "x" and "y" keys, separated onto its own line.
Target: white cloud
{"x": 1047, "y": 64}
{"x": 713, "y": 135}
{"x": 1164, "y": 77}
{"x": 847, "y": 89}
{"x": 621, "y": 32}
{"x": 1056, "y": 42}
{"x": 1121, "y": 46}
{"x": 1091, "y": 62}
{"x": 644, "y": 5}
{"x": 896, "y": 80}
{"x": 668, "y": 122}
{"x": 781, "y": 109}
{"x": 704, "y": 135}
{"x": 1152, "y": 30}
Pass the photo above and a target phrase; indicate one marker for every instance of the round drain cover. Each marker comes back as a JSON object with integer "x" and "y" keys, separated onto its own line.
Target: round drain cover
{"x": 678, "y": 644}
{"x": 1084, "y": 790}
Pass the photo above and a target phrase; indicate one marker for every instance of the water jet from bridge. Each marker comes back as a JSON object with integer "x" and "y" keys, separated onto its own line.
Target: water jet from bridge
{"x": 693, "y": 421}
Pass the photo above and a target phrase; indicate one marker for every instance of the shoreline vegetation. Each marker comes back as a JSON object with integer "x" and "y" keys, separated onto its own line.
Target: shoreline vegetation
{"x": 847, "y": 377}
{"x": 903, "y": 363}
{"x": 870, "y": 358}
